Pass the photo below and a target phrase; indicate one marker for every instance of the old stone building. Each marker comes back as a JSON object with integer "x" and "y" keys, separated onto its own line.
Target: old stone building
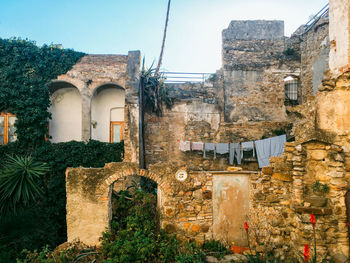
{"x": 268, "y": 85}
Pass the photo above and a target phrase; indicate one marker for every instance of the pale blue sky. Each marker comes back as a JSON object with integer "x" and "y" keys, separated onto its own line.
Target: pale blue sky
{"x": 116, "y": 26}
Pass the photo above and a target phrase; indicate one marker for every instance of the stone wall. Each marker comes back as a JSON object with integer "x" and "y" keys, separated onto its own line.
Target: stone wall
{"x": 285, "y": 194}
{"x": 185, "y": 207}
{"x": 314, "y": 49}
{"x": 244, "y": 100}
{"x": 254, "y": 67}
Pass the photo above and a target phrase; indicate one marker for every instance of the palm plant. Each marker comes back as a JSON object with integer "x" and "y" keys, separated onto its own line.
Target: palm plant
{"x": 19, "y": 182}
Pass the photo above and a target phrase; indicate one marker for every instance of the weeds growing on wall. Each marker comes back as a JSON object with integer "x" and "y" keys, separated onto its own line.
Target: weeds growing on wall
{"x": 155, "y": 91}
{"x": 25, "y": 72}
{"x": 43, "y": 223}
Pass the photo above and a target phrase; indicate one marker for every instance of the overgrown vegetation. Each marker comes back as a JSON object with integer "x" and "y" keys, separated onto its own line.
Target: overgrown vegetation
{"x": 43, "y": 223}
{"x": 18, "y": 182}
{"x": 155, "y": 91}
{"x": 25, "y": 73}
{"x": 134, "y": 237}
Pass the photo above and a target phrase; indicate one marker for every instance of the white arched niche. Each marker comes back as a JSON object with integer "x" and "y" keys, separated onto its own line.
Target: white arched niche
{"x": 66, "y": 112}
{"x": 107, "y": 113}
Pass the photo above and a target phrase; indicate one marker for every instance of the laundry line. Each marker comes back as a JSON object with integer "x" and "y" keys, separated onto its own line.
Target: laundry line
{"x": 263, "y": 149}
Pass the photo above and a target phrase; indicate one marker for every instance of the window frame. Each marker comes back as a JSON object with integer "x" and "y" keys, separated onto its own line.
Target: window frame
{"x": 6, "y": 116}
{"x": 289, "y": 85}
{"x": 121, "y": 123}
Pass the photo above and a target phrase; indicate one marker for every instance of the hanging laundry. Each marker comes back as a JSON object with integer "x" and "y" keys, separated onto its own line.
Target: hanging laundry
{"x": 267, "y": 148}
{"x": 277, "y": 145}
{"x": 197, "y": 146}
{"x": 209, "y": 147}
{"x": 237, "y": 148}
{"x": 248, "y": 146}
{"x": 221, "y": 148}
{"x": 263, "y": 152}
{"x": 235, "y": 151}
{"x": 185, "y": 146}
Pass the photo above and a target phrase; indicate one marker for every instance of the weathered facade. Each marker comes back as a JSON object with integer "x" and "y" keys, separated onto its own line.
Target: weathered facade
{"x": 99, "y": 91}
{"x": 246, "y": 100}
{"x": 185, "y": 206}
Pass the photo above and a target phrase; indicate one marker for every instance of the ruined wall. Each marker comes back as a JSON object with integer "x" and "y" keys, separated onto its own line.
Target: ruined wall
{"x": 314, "y": 49}
{"x": 185, "y": 207}
{"x": 312, "y": 176}
{"x": 285, "y": 194}
{"x": 242, "y": 101}
{"x": 254, "y": 67}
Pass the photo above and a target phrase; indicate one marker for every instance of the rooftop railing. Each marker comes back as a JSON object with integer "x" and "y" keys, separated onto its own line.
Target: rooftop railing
{"x": 183, "y": 77}
{"x": 316, "y": 18}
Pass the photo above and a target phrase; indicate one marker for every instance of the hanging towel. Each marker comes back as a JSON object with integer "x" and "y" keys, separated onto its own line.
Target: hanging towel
{"x": 197, "y": 146}
{"x": 248, "y": 146}
{"x": 185, "y": 146}
{"x": 277, "y": 145}
{"x": 232, "y": 153}
{"x": 263, "y": 152}
{"x": 222, "y": 148}
{"x": 237, "y": 147}
{"x": 209, "y": 147}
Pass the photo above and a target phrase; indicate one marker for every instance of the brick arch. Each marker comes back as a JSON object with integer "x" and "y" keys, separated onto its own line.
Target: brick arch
{"x": 88, "y": 198}
{"x": 131, "y": 170}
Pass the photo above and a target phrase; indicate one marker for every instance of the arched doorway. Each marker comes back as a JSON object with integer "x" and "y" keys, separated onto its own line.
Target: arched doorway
{"x": 66, "y": 112}
{"x": 107, "y": 113}
{"x": 89, "y": 198}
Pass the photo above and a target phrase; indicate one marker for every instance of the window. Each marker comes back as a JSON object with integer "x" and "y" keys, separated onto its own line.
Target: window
{"x": 116, "y": 131}
{"x": 7, "y": 128}
{"x": 291, "y": 85}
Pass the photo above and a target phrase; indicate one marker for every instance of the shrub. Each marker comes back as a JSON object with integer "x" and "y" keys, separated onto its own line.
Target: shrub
{"x": 215, "y": 248}
{"x": 44, "y": 222}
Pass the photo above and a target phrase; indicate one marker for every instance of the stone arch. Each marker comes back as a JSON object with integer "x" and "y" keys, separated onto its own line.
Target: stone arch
{"x": 66, "y": 111}
{"x": 107, "y": 112}
{"x": 96, "y": 86}
{"x": 88, "y": 198}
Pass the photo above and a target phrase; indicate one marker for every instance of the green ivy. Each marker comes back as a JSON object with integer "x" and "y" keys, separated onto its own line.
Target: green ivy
{"x": 25, "y": 73}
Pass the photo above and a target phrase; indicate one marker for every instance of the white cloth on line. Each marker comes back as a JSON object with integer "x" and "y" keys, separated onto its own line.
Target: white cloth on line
{"x": 185, "y": 146}
{"x": 197, "y": 146}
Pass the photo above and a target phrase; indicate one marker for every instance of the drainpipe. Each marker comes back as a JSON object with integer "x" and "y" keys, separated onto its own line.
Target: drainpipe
{"x": 141, "y": 124}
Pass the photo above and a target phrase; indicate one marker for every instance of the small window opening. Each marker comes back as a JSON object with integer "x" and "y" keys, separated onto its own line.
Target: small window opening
{"x": 7, "y": 128}
{"x": 291, "y": 86}
{"x": 116, "y": 131}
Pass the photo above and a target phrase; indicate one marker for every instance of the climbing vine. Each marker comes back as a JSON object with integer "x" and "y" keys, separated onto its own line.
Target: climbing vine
{"x": 25, "y": 73}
